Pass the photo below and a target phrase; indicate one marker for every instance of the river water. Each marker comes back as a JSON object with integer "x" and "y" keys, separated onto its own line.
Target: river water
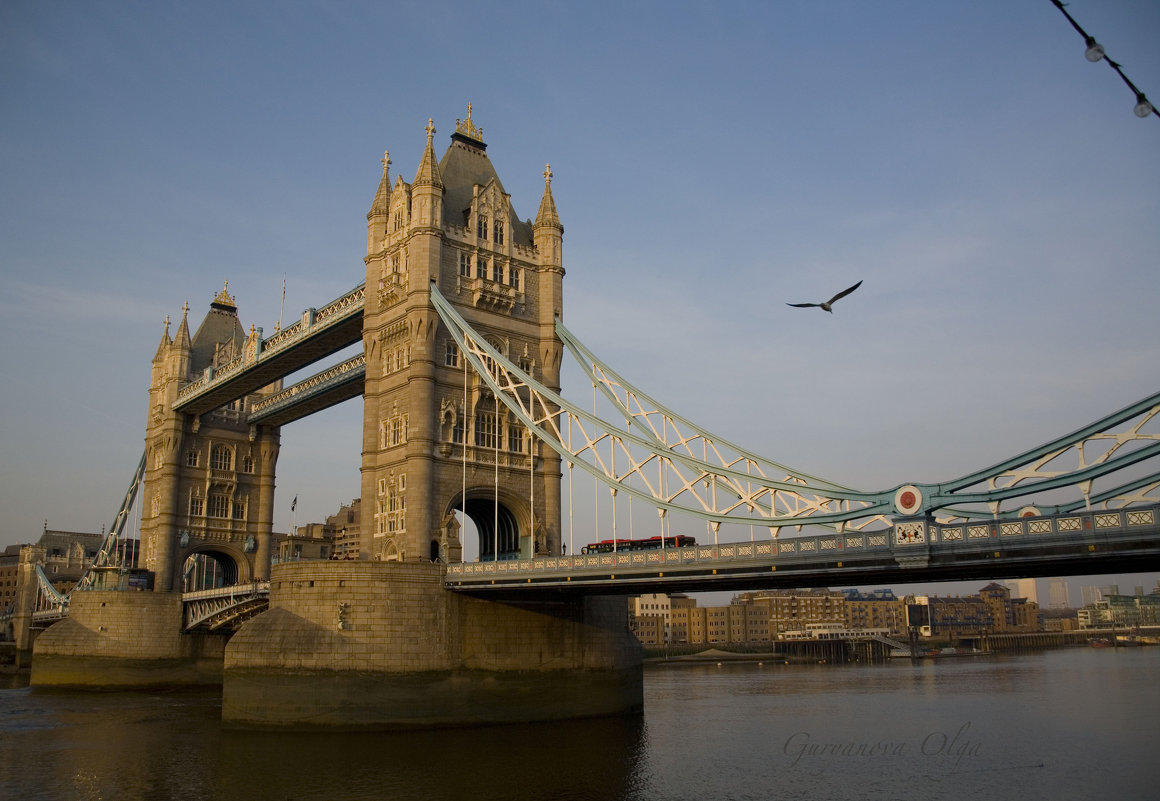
{"x": 1078, "y": 723}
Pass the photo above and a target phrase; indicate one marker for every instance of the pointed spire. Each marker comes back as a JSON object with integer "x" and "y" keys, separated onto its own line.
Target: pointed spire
{"x": 428, "y": 174}
{"x": 382, "y": 200}
{"x": 166, "y": 342}
{"x": 547, "y": 215}
{"x": 181, "y": 338}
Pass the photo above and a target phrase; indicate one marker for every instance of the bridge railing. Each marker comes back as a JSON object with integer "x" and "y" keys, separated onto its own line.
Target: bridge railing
{"x": 222, "y": 606}
{"x": 906, "y": 538}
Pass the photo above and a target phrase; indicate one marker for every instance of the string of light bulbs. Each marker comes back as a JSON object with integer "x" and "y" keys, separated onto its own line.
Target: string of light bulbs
{"x": 1095, "y": 52}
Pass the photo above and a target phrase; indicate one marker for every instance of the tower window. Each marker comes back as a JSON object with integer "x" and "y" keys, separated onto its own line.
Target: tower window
{"x": 482, "y": 223}
{"x": 498, "y": 231}
{"x": 221, "y": 458}
{"x": 486, "y": 431}
{"x": 219, "y": 506}
{"x": 515, "y": 438}
{"x": 451, "y": 355}
{"x": 465, "y": 265}
{"x": 191, "y": 459}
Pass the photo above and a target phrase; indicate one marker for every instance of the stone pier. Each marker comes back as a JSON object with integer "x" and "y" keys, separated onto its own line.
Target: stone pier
{"x": 120, "y": 639}
{"x": 382, "y": 645}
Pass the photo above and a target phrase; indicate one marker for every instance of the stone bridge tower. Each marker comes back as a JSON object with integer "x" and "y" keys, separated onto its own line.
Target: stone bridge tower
{"x": 209, "y": 479}
{"x": 435, "y": 440}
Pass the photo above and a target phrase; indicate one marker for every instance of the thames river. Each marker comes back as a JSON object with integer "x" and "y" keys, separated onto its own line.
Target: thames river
{"x": 1063, "y": 724}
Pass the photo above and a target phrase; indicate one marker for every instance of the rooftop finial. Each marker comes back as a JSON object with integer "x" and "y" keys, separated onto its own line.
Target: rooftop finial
{"x": 386, "y": 161}
{"x": 548, "y": 174}
{"x": 223, "y": 298}
{"x": 430, "y": 130}
{"x": 467, "y": 127}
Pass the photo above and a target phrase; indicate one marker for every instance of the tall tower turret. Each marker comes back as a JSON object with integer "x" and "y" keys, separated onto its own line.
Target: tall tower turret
{"x": 432, "y": 447}
{"x": 209, "y": 479}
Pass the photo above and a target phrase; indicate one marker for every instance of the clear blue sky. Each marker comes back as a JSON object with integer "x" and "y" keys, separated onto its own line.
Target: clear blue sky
{"x": 712, "y": 162}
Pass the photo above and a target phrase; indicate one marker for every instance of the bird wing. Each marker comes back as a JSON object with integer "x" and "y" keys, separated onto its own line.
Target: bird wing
{"x": 844, "y": 292}
{"x": 803, "y": 305}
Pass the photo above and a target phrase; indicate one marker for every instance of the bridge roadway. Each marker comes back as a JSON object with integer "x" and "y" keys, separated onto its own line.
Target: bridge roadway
{"x": 1087, "y": 543}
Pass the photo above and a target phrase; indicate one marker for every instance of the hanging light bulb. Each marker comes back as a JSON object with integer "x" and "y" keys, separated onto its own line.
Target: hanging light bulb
{"x": 1143, "y": 106}
{"x": 1095, "y": 50}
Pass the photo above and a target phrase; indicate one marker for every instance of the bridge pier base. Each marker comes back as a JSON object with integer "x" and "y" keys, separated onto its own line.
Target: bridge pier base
{"x": 382, "y": 645}
{"x": 120, "y": 639}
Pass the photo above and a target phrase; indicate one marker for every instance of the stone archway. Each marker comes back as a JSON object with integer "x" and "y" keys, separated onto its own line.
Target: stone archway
{"x": 497, "y": 526}
{"x": 208, "y": 569}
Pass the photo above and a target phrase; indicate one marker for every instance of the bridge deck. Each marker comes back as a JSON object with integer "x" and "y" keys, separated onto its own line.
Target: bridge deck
{"x": 1126, "y": 540}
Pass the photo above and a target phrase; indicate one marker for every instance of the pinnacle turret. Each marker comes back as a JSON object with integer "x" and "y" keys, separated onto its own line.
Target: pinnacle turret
{"x": 547, "y": 216}
{"x": 181, "y": 338}
{"x": 164, "y": 345}
{"x": 382, "y": 202}
{"x": 428, "y": 173}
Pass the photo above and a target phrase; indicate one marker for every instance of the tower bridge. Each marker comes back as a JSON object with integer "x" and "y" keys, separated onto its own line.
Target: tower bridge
{"x": 460, "y": 319}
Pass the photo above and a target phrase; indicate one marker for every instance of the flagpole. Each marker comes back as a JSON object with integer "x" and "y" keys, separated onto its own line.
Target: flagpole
{"x": 293, "y": 507}
{"x": 281, "y": 309}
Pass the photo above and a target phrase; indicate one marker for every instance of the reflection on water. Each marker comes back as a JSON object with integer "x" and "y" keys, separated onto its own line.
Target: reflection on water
{"x": 1062, "y": 724}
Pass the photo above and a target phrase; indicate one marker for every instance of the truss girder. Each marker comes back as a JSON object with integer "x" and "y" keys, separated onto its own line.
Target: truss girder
{"x": 108, "y": 548}
{"x": 637, "y": 406}
{"x": 679, "y": 466}
{"x": 644, "y": 467}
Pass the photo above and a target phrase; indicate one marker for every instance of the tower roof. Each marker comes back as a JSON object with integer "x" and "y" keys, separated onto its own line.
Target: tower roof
{"x": 464, "y": 165}
{"x": 220, "y": 328}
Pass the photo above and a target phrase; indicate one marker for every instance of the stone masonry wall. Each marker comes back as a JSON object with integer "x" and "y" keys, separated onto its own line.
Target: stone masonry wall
{"x": 383, "y": 645}
{"x": 125, "y": 638}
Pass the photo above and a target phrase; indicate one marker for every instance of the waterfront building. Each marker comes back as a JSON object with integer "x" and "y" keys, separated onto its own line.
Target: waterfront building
{"x": 993, "y": 610}
{"x": 9, "y": 576}
{"x": 755, "y": 617}
{"x": 63, "y": 556}
{"x": 879, "y": 609}
{"x": 650, "y": 616}
{"x": 346, "y": 525}
{"x": 1122, "y": 610}
{"x": 791, "y": 610}
{"x": 1059, "y": 619}
{"x": 1058, "y": 596}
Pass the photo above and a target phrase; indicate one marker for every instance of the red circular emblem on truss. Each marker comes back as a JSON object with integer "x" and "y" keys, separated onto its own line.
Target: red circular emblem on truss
{"x": 908, "y": 499}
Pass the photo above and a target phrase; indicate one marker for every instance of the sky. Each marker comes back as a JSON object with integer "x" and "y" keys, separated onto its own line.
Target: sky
{"x": 991, "y": 188}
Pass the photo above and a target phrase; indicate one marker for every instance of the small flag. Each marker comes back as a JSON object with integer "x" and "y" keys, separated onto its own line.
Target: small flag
{"x": 294, "y": 503}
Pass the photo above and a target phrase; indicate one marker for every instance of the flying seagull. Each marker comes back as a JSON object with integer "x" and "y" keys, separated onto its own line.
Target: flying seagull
{"x": 825, "y": 305}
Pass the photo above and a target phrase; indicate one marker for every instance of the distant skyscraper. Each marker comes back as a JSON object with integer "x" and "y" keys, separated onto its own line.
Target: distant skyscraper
{"x": 1090, "y": 595}
{"x": 1024, "y": 588}
{"x": 1057, "y": 594}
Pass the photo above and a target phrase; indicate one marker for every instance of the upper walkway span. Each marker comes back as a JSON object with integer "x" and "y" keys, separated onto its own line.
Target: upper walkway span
{"x": 318, "y": 334}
